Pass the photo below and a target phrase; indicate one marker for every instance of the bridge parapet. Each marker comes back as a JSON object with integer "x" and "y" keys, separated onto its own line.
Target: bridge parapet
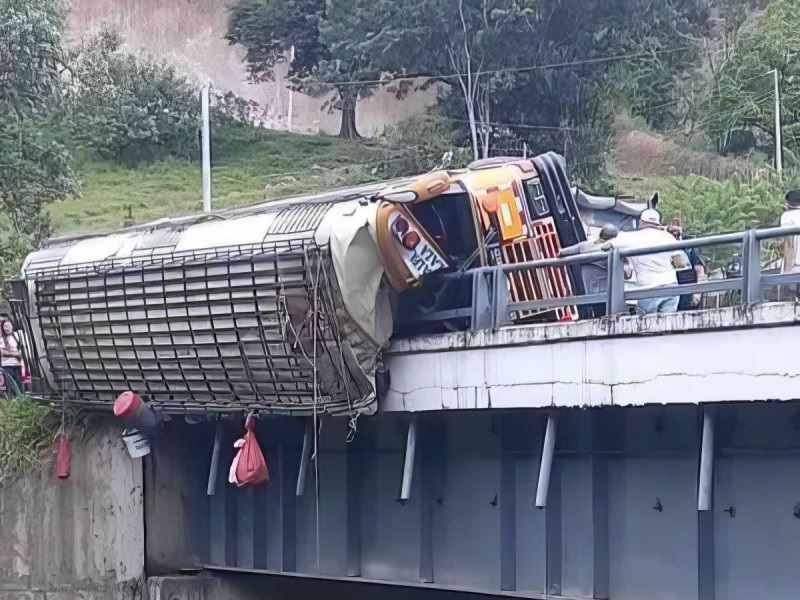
{"x": 722, "y": 355}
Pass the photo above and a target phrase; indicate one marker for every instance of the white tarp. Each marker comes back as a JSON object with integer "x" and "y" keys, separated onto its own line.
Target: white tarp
{"x": 226, "y": 232}
{"x": 359, "y": 269}
{"x": 95, "y": 249}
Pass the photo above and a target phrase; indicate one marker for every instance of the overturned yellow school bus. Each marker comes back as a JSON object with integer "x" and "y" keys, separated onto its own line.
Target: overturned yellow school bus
{"x": 285, "y": 306}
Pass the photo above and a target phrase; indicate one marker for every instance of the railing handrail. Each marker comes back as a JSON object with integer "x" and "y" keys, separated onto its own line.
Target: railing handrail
{"x": 491, "y": 305}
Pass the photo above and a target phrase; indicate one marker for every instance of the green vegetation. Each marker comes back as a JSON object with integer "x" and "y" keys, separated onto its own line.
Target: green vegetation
{"x": 129, "y": 108}
{"x": 35, "y": 166}
{"x": 125, "y": 125}
{"x": 249, "y": 166}
{"x": 739, "y": 114}
{"x": 706, "y": 206}
{"x": 27, "y": 431}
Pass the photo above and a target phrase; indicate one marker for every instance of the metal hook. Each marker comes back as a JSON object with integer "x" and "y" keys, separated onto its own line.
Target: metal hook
{"x": 494, "y": 501}
{"x": 731, "y": 510}
{"x": 659, "y": 507}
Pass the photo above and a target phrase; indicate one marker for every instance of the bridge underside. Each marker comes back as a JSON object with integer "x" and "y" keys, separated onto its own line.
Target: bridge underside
{"x": 621, "y": 519}
{"x": 620, "y": 459}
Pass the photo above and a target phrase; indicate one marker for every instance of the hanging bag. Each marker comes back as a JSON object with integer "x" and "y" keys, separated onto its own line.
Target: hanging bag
{"x": 249, "y": 469}
{"x": 62, "y": 455}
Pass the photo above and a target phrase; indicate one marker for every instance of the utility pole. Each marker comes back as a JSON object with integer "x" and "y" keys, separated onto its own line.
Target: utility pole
{"x": 205, "y": 102}
{"x": 778, "y": 141}
{"x": 291, "y": 94}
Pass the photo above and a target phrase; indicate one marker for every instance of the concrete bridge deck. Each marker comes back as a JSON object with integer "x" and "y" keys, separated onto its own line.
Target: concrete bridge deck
{"x": 721, "y": 355}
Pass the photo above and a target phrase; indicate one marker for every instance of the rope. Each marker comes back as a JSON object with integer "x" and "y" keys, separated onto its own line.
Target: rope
{"x": 315, "y": 323}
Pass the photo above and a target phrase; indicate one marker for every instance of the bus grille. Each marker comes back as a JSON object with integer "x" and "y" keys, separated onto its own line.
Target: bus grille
{"x": 539, "y": 284}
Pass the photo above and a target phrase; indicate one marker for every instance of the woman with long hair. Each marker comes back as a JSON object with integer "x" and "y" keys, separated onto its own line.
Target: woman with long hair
{"x": 11, "y": 354}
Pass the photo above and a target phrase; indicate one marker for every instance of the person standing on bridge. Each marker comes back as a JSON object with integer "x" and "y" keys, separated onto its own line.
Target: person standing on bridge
{"x": 656, "y": 270}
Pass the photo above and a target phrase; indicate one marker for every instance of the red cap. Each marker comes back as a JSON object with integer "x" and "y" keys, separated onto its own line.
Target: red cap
{"x": 127, "y": 405}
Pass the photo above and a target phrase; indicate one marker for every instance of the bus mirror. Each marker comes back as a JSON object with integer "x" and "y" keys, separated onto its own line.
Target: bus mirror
{"x": 490, "y": 202}
{"x": 403, "y": 197}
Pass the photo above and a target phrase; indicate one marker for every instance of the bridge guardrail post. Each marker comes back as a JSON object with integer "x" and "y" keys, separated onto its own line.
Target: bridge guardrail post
{"x": 615, "y": 300}
{"x": 482, "y": 313}
{"x": 500, "y": 298}
{"x": 751, "y": 274}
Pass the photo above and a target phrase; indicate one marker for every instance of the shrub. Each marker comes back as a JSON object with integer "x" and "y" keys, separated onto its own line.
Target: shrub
{"x": 230, "y": 110}
{"x": 27, "y": 430}
{"x": 708, "y": 207}
{"x": 131, "y": 108}
{"x": 418, "y": 145}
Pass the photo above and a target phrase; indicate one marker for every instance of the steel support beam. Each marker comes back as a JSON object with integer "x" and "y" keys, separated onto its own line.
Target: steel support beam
{"x": 288, "y": 480}
{"x": 508, "y": 514}
{"x": 706, "y": 581}
{"x": 214, "y": 468}
{"x": 245, "y": 528}
{"x": 554, "y": 543}
{"x": 706, "y": 479}
{"x": 600, "y": 507}
{"x": 410, "y": 458}
{"x": 222, "y": 518}
{"x": 354, "y": 477}
{"x": 305, "y": 458}
{"x": 548, "y": 450}
{"x": 261, "y": 530}
{"x": 432, "y": 449}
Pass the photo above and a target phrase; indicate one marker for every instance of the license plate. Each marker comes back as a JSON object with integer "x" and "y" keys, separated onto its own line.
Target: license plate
{"x": 423, "y": 259}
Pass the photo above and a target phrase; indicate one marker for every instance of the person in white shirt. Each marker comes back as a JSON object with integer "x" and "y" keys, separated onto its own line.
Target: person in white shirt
{"x": 791, "y": 243}
{"x": 11, "y": 353}
{"x": 652, "y": 270}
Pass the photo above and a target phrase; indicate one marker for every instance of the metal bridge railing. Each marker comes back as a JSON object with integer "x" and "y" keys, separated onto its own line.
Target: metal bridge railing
{"x": 491, "y": 307}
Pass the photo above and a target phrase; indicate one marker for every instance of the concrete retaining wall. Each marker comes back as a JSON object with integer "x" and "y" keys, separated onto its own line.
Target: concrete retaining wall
{"x": 82, "y": 538}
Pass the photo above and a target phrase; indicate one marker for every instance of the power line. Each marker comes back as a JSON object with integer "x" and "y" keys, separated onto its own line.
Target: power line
{"x": 515, "y": 125}
{"x": 544, "y": 67}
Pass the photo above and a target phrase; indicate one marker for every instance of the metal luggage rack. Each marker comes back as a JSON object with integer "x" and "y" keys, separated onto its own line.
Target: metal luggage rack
{"x": 218, "y": 330}
{"x": 160, "y": 255}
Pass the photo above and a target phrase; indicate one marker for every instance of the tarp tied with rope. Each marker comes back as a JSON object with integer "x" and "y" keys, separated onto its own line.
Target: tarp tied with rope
{"x": 244, "y": 312}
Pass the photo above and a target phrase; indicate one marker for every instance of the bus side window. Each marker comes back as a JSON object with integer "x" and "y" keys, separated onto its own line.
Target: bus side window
{"x": 536, "y": 199}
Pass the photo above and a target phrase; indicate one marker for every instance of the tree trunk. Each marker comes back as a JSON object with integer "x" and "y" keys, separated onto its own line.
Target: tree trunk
{"x": 349, "y": 98}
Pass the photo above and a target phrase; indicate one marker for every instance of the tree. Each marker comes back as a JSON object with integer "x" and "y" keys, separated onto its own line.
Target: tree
{"x": 130, "y": 108}
{"x": 742, "y": 94}
{"x": 34, "y": 165}
{"x": 607, "y": 56}
{"x": 319, "y": 31}
{"x": 498, "y": 57}
{"x": 472, "y": 45}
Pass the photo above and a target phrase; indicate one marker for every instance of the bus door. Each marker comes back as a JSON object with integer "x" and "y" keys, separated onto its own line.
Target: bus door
{"x": 566, "y": 217}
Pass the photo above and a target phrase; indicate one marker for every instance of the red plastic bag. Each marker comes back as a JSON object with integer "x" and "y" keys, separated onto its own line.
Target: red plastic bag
{"x": 24, "y": 373}
{"x": 249, "y": 469}
{"x": 62, "y": 456}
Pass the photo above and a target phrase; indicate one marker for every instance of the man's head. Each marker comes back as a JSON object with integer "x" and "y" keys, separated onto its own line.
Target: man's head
{"x": 793, "y": 199}
{"x": 649, "y": 218}
{"x": 609, "y": 232}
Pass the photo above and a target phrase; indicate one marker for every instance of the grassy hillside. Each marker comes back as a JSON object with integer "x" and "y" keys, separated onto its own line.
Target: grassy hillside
{"x": 252, "y": 165}
{"x": 249, "y": 166}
